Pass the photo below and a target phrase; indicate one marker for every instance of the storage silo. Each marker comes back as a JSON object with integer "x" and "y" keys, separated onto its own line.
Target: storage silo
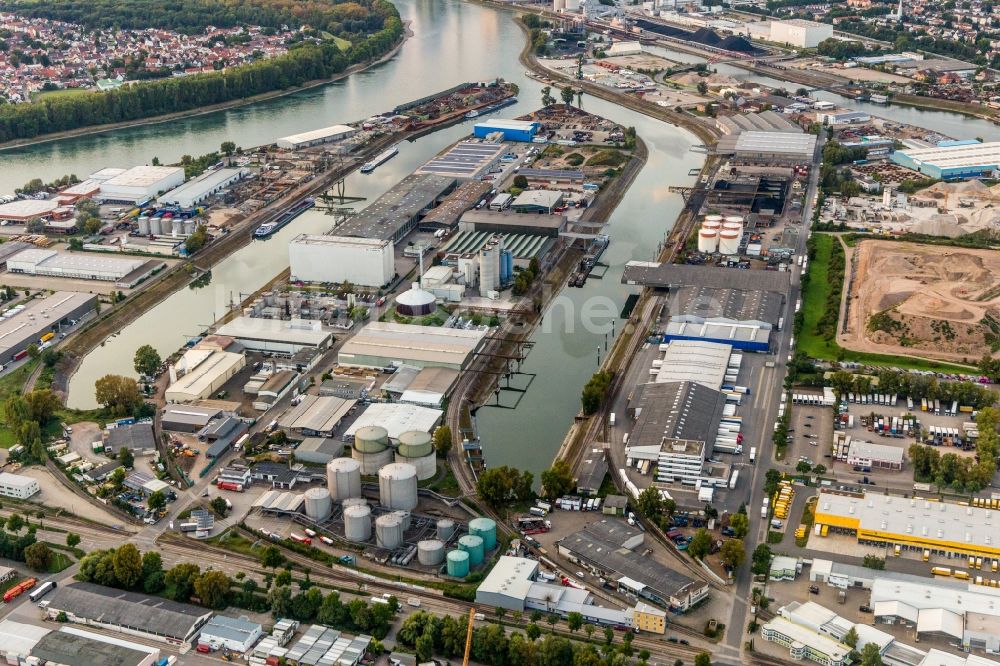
{"x": 404, "y": 517}
{"x": 733, "y": 220}
{"x": 155, "y": 228}
{"x": 415, "y": 447}
{"x": 458, "y": 564}
{"x": 343, "y": 478}
{"x": 473, "y": 545}
{"x": 190, "y": 226}
{"x": 486, "y": 528}
{"x": 714, "y": 223}
{"x": 354, "y": 501}
{"x": 388, "y": 531}
{"x": 318, "y": 504}
{"x": 178, "y": 226}
{"x": 445, "y": 529}
{"x": 506, "y": 266}
{"x": 144, "y": 225}
{"x": 572, "y": 5}
{"x": 358, "y": 523}
{"x": 729, "y": 241}
{"x": 371, "y": 449}
{"x": 430, "y": 552}
{"x": 558, "y": 5}
{"x": 713, "y": 218}
{"x": 708, "y": 240}
{"x": 397, "y": 486}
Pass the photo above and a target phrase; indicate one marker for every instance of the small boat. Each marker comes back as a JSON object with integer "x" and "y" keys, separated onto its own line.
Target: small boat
{"x": 268, "y": 228}
{"x": 472, "y": 114}
{"x": 380, "y": 159}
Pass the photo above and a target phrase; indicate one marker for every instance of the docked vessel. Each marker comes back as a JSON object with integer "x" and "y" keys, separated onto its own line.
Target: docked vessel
{"x": 268, "y": 228}
{"x": 472, "y": 114}
{"x": 380, "y": 159}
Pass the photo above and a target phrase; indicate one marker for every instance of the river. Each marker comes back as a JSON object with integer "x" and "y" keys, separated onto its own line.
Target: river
{"x": 453, "y": 42}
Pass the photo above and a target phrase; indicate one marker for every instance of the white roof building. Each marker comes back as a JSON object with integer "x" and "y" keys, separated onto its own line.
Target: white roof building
{"x": 200, "y": 188}
{"x": 869, "y": 454}
{"x": 24, "y": 210}
{"x": 277, "y": 335}
{"x": 703, "y": 363}
{"x": 202, "y": 380}
{"x": 316, "y": 415}
{"x": 17, "y": 485}
{"x": 316, "y": 137}
{"x": 782, "y": 146}
{"x": 381, "y": 344}
{"x": 140, "y": 184}
{"x": 87, "y": 266}
{"x": 17, "y": 639}
{"x": 396, "y": 418}
{"x": 368, "y": 262}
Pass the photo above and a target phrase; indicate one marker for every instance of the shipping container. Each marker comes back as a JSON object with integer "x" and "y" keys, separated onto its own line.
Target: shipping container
{"x": 42, "y": 590}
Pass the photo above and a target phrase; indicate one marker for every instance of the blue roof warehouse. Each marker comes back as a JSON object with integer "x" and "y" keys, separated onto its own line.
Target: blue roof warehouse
{"x": 951, "y": 162}
{"x": 512, "y": 130}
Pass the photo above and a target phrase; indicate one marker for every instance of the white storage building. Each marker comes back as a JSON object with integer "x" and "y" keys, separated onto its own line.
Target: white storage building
{"x": 200, "y": 188}
{"x": 23, "y": 325}
{"x": 316, "y": 137}
{"x": 278, "y": 336}
{"x": 396, "y": 418}
{"x": 368, "y": 262}
{"x": 381, "y": 344}
{"x": 140, "y": 184}
{"x": 17, "y": 485}
{"x": 206, "y": 376}
{"x": 91, "y": 266}
{"x": 801, "y": 33}
{"x": 236, "y": 634}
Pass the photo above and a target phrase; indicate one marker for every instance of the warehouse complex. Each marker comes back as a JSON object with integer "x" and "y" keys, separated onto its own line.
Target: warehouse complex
{"x": 467, "y": 160}
{"x": 316, "y": 137}
{"x": 22, "y": 211}
{"x": 966, "y": 160}
{"x": 385, "y": 344}
{"x": 508, "y": 130}
{"x": 202, "y": 187}
{"x": 397, "y": 212}
{"x": 25, "y": 324}
{"x": 205, "y": 372}
{"x": 277, "y": 335}
{"x": 795, "y": 32}
{"x": 368, "y": 262}
{"x": 124, "y": 272}
{"x": 139, "y": 184}
{"x": 774, "y": 147}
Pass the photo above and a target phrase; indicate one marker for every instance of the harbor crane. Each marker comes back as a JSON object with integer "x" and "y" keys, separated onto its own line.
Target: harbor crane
{"x": 468, "y": 637}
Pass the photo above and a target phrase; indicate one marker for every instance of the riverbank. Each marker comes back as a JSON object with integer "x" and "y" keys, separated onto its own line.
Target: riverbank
{"x": 214, "y": 108}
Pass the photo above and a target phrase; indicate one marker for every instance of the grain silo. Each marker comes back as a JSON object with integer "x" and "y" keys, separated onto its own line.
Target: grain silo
{"x": 708, "y": 240}
{"x": 358, "y": 523}
{"x": 397, "y": 486}
{"x": 714, "y": 219}
{"x": 729, "y": 241}
{"x": 144, "y": 225}
{"x": 416, "y": 448}
{"x": 318, "y": 503}
{"x": 178, "y": 226}
{"x": 190, "y": 226}
{"x": 486, "y": 528}
{"x": 343, "y": 478}
{"x": 155, "y": 227}
{"x": 388, "y": 531}
{"x": 473, "y": 545}
{"x": 371, "y": 449}
{"x": 445, "y": 529}
{"x": 733, "y": 222}
{"x": 558, "y": 5}
{"x": 430, "y": 552}
{"x": 458, "y": 564}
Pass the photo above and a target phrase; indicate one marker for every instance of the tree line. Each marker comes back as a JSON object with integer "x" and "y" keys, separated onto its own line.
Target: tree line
{"x": 949, "y": 470}
{"x": 304, "y": 62}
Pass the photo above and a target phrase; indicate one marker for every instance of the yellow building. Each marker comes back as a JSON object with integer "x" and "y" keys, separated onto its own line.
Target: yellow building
{"x": 649, "y": 618}
{"x": 912, "y": 523}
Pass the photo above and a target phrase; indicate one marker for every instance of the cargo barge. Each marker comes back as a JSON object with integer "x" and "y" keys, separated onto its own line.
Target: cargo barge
{"x": 589, "y": 261}
{"x": 380, "y": 159}
{"x": 268, "y": 228}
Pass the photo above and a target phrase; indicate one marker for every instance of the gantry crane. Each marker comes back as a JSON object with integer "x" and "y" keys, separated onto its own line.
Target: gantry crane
{"x": 468, "y": 637}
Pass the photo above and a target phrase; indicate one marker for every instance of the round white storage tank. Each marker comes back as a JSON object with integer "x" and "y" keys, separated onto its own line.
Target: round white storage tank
{"x": 445, "y": 529}
{"x": 155, "y": 228}
{"x": 430, "y": 552}
{"x": 371, "y": 449}
{"x": 572, "y": 5}
{"x": 729, "y": 241}
{"x": 708, "y": 240}
{"x": 713, "y": 218}
{"x": 144, "y": 225}
{"x": 358, "y": 523}
{"x": 416, "y": 448}
{"x": 343, "y": 478}
{"x": 190, "y": 226}
{"x": 712, "y": 224}
{"x": 734, "y": 219}
{"x": 404, "y": 517}
{"x": 558, "y": 5}
{"x": 397, "y": 486}
{"x": 388, "y": 531}
{"x": 318, "y": 503}
{"x": 178, "y": 226}
{"x": 354, "y": 501}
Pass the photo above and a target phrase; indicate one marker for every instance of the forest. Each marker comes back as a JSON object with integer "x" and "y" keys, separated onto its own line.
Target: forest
{"x": 305, "y": 61}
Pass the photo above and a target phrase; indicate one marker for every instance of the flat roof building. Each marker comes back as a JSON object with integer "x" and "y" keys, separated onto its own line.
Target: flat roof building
{"x": 537, "y": 201}
{"x": 316, "y": 416}
{"x": 124, "y": 272}
{"x": 17, "y": 639}
{"x": 316, "y": 137}
{"x": 236, "y": 634}
{"x": 396, "y": 418}
{"x": 429, "y": 386}
{"x": 593, "y": 469}
{"x": 511, "y": 130}
{"x": 140, "y": 184}
{"x": 775, "y": 147}
{"x": 696, "y": 361}
{"x": 187, "y": 418}
{"x": 765, "y": 121}
{"x": 383, "y": 344}
{"x": 397, "y": 212}
{"x": 506, "y": 222}
{"x": 745, "y": 335}
{"x": 206, "y": 378}
{"x": 17, "y": 485}
{"x": 23, "y": 211}
{"x": 868, "y": 454}
{"x": 447, "y": 213}
{"x": 728, "y": 303}
{"x": 202, "y": 187}
{"x": 804, "y": 643}
{"x": 319, "y": 450}
{"x": 368, "y": 262}
{"x": 276, "y": 335}
{"x": 800, "y": 32}
{"x": 974, "y": 160}
{"x": 73, "y": 646}
{"x": 467, "y": 160}
{"x": 136, "y": 437}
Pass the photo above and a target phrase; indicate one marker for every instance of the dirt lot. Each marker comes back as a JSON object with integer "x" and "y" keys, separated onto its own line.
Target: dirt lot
{"x": 932, "y": 301}
{"x": 55, "y": 494}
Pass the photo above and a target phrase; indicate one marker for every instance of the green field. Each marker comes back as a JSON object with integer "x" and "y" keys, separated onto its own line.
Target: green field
{"x": 814, "y": 303}
{"x": 69, "y": 92}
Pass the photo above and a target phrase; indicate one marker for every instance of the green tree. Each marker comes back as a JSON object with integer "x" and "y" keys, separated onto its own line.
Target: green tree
{"x": 156, "y": 501}
{"x": 271, "y": 557}
{"x": 870, "y": 655}
{"x": 574, "y": 621}
{"x": 15, "y": 522}
{"x": 425, "y": 648}
{"x": 803, "y": 467}
{"x": 126, "y": 457}
{"x": 703, "y": 659}
{"x": 212, "y": 587}
{"x": 650, "y": 502}
{"x": 733, "y": 553}
{"x": 147, "y": 361}
{"x": 700, "y": 544}
{"x": 558, "y": 480}
{"x": 521, "y": 182}
{"x": 180, "y": 578}
{"x": 760, "y": 561}
{"x": 279, "y": 599}
{"x": 740, "y": 524}
{"x": 197, "y": 240}
{"x": 38, "y": 556}
{"x": 228, "y": 147}
{"x": 851, "y": 638}
{"x": 219, "y": 506}
{"x": 772, "y": 478}
{"x": 702, "y": 90}
{"x": 72, "y": 539}
{"x": 533, "y": 631}
{"x": 119, "y": 395}
{"x": 567, "y": 94}
{"x": 442, "y": 440}
{"x": 128, "y": 565}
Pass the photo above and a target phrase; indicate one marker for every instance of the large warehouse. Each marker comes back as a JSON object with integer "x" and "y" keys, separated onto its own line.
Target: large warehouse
{"x": 799, "y": 32}
{"x": 276, "y": 335}
{"x": 198, "y": 189}
{"x": 124, "y": 272}
{"x": 39, "y": 316}
{"x": 511, "y": 130}
{"x": 368, "y": 262}
{"x": 384, "y": 344}
{"x": 205, "y": 375}
{"x": 396, "y": 418}
{"x": 940, "y": 527}
{"x": 972, "y": 160}
{"x": 140, "y": 184}
{"x": 315, "y": 416}
{"x": 467, "y": 160}
{"x": 395, "y": 214}
{"x": 774, "y": 147}
{"x": 25, "y": 210}
{"x": 696, "y": 361}
{"x": 316, "y": 137}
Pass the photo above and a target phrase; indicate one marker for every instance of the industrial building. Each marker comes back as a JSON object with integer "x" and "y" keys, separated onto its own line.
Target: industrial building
{"x": 506, "y": 222}
{"x": 804, "y": 643}
{"x": 152, "y": 618}
{"x": 276, "y": 335}
{"x": 525, "y": 245}
{"x": 447, "y": 213}
{"x": 236, "y": 634}
{"x": 396, "y": 418}
{"x": 124, "y": 272}
{"x": 695, "y": 361}
{"x": 24, "y": 324}
{"x": 427, "y": 387}
{"x": 765, "y": 121}
{"x": 23, "y": 211}
{"x": 397, "y": 212}
{"x": 799, "y": 32}
{"x": 205, "y": 373}
{"x": 968, "y": 160}
{"x": 139, "y": 184}
{"x": 320, "y": 646}
{"x": 316, "y": 137}
{"x": 187, "y": 418}
{"x": 748, "y": 336}
{"x": 319, "y": 450}
{"x": 509, "y": 130}
{"x": 466, "y": 160}
{"x": 610, "y": 547}
{"x": 858, "y": 453}
{"x": 939, "y": 527}
{"x": 774, "y": 148}
{"x": 315, "y": 416}
{"x": 136, "y": 437}
{"x": 368, "y": 262}
{"x": 673, "y": 276}
{"x": 70, "y": 645}
{"x": 17, "y": 485}
{"x": 202, "y": 187}
{"x": 740, "y": 318}
{"x": 386, "y": 344}
{"x": 542, "y": 202}
{"x": 17, "y": 639}
{"x": 591, "y": 473}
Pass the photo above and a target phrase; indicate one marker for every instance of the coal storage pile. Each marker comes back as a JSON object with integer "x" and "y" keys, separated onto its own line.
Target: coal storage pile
{"x": 702, "y": 36}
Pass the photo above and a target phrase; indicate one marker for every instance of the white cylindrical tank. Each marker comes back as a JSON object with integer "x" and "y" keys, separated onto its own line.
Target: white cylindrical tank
{"x": 318, "y": 504}
{"x": 712, "y": 224}
{"x": 713, "y": 218}
{"x": 445, "y": 529}
{"x": 430, "y": 552}
{"x": 155, "y": 227}
{"x": 371, "y": 449}
{"x": 404, "y": 517}
{"x": 354, "y": 501}
{"x": 708, "y": 240}
{"x": 343, "y": 478}
{"x": 358, "y": 523}
{"x": 416, "y": 448}
{"x": 397, "y": 486}
{"x": 734, "y": 219}
{"x": 572, "y": 5}
{"x": 388, "y": 531}
{"x": 558, "y": 5}
{"x": 178, "y": 226}
{"x": 144, "y": 225}
{"x": 729, "y": 241}
{"x": 190, "y": 226}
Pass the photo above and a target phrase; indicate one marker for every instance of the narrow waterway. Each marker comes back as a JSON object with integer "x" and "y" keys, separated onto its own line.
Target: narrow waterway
{"x": 452, "y": 42}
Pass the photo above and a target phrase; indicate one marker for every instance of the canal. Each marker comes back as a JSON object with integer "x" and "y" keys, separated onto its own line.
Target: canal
{"x": 452, "y": 42}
